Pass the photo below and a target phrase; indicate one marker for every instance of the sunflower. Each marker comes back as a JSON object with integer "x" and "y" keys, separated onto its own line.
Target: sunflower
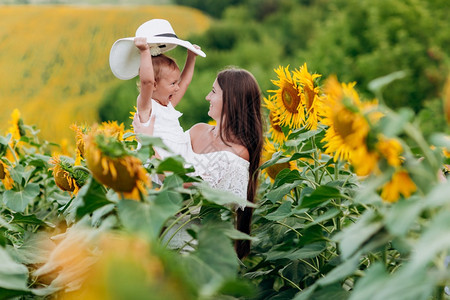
{"x": 390, "y": 149}
{"x": 275, "y": 130}
{"x": 114, "y": 166}
{"x": 273, "y": 170}
{"x": 347, "y": 128}
{"x": 120, "y": 257}
{"x": 310, "y": 96}
{"x": 364, "y": 161}
{"x": 348, "y": 120}
{"x": 66, "y": 177}
{"x": 400, "y": 183}
{"x": 70, "y": 260}
{"x": 446, "y": 152}
{"x": 116, "y": 253}
{"x": 80, "y": 132}
{"x": 132, "y": 114}
{"x": 5, "y": 176}
{"x": 111, "y": 128}
{"x": 288, "y": 99}
{"x": 16, "y": 128}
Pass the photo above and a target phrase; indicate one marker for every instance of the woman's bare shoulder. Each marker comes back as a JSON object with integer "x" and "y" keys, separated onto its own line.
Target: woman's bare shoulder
{"x": 241, "y": 151}
{"x": 199, "y": 128}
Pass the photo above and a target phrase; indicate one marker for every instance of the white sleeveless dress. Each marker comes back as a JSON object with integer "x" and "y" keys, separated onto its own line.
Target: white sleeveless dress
{"x": 168, "y": 128}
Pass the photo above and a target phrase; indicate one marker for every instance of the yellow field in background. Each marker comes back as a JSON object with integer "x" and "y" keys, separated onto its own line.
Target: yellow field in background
{"x": 54, "y": 60}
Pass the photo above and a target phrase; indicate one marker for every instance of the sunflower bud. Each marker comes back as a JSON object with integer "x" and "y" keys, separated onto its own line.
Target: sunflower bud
{"x": 80, "y": 133}
{"x": 65, "y": 177}
{"x": 121, "y": 173}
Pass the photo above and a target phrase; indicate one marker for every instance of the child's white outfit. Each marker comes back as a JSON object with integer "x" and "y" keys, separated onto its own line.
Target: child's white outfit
{"x": 168, "y": 128}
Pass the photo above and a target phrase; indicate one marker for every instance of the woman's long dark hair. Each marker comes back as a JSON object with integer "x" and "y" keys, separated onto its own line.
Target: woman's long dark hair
{"x": 241, "y": 123}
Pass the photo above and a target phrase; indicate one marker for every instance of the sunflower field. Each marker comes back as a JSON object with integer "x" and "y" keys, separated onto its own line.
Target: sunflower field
{"x": 54, "y": 60}
{"x": 353, "y": 204}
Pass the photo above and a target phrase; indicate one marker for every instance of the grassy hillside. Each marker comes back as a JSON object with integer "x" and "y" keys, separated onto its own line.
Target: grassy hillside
{"x": 54, "y": 60}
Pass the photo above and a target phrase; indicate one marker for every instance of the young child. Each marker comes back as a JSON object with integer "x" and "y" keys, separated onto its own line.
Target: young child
{"x": 162, "y": 86}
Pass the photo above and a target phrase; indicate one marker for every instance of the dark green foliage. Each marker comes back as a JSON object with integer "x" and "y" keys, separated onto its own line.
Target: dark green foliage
{"x": 431, "y": 119}
{"x": 358, "y": 40}
{"x": 363, "y": 40}
{"x": 119, "y": 102}
{"x": 213, "y": 8}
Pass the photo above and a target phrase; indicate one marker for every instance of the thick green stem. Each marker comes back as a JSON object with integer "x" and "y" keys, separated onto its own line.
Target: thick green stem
{"x": 316, "y": 155}
{"x": 188, "y": 211}
{"x": 415, "y": 134}
{"x": 291, "y": 228}
{"x": 179, "y": 228}
{"x": 290, "y": 281}
{"x": 336, "y": 170}
{"x": 309, "y": 264}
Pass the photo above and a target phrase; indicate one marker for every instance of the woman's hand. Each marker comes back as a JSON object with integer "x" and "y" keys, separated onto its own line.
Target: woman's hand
{"x": 141, "y": 128}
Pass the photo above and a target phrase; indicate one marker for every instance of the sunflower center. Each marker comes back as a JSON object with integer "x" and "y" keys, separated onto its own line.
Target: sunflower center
{"x": 274, "y": 122}
{"x": 291, "y": 99}
{"x": 342, "y": 125}
{"x": 309, "y": 97}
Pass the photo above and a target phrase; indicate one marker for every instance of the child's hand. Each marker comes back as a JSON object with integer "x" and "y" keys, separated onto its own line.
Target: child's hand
{"x": 193, "y": 53}
{"x": 141, "y": 43}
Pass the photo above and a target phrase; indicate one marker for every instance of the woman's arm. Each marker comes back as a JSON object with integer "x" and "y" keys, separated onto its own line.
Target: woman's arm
{"x": 139, "y": 127}
{"x": 147, "y": 130}
{"x": 186, "y": 76}
{"x": 147, "y": 80}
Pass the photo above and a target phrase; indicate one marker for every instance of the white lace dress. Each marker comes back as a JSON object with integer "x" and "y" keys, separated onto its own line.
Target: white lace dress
{"x": 222, "y": 170}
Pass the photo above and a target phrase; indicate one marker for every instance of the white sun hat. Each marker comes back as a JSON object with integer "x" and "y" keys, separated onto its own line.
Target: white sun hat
{"x": 124, "y": 58}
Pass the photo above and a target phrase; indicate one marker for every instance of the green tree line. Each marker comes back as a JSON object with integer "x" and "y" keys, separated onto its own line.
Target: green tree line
{"x": 357, "y": 40}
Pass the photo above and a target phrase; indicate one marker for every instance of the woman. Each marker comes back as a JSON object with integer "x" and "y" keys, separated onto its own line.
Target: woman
{"x": 227, "y": 155}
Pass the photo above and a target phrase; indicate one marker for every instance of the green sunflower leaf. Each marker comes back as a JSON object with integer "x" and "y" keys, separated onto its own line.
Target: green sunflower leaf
{"x": 18, "y": 200}
{"x": 13, "y": 276}
{"x": 93, "y": 196}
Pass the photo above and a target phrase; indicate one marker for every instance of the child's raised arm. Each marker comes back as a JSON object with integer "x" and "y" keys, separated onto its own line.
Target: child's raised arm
{"x": 186, "y": 76}
{"x": 147, "y": 78}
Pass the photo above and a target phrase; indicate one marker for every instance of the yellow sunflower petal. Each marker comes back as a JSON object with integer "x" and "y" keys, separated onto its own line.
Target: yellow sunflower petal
{"x": 347, "y": 129}
{"x": 112, "y": 169}
{"x": 390, "y": 149}
{"x": 288, "y": 99}
{"x": 105, "y": 165}
{"x": 400, "y": 184}
{"x": 312, "y": 101}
